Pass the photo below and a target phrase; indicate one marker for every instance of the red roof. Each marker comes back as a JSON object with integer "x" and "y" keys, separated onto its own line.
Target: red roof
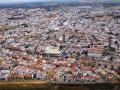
{"x": 95, "y": 77}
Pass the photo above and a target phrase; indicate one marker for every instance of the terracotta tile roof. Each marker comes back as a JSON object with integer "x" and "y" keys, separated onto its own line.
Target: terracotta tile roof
{"x": 96, "y": 50}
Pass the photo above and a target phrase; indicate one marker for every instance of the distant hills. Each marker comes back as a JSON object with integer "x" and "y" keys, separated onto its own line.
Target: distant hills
{"x": 56, "y": 4}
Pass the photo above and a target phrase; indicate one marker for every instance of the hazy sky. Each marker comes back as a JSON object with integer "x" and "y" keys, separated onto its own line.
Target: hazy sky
{"x": 14, "y": 1}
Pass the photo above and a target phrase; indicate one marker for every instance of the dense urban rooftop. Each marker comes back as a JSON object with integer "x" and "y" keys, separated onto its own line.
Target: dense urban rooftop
{"x": 66, "y": 44}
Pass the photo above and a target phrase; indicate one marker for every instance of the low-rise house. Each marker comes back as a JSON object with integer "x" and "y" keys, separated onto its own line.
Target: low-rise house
{"x": 95, "y": 52}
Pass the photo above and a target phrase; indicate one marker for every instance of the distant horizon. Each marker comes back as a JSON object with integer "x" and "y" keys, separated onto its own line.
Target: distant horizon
{"x": 32, "y": 1}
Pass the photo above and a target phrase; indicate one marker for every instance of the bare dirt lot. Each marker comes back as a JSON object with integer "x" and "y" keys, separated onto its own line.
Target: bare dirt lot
{"x": 39, "y": 85}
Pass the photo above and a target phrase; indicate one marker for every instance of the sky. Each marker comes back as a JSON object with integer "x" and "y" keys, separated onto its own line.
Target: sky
{"x": 19, "y": 1}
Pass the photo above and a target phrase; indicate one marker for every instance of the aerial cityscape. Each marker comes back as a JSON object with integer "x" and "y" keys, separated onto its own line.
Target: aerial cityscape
{"x": 61, "y": 43}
